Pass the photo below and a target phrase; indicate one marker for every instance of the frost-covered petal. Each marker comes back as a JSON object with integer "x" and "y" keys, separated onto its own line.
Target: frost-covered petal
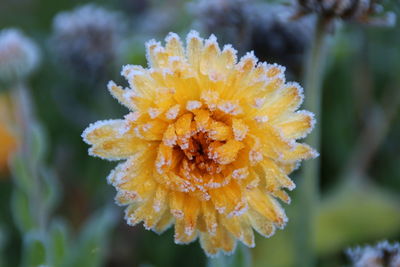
{"x": 266, "y": 206}
{"x": 110, "y": 140}
{"x": 297, "y": 125}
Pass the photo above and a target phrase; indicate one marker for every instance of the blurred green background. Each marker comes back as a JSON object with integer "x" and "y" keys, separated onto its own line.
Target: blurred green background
{"x": 360, "y": 155}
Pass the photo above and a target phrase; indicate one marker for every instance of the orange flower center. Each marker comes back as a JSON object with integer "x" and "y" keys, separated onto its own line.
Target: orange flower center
{"x": 197, "y": 152}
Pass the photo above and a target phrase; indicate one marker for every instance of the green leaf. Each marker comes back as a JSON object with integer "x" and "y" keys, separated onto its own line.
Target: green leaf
{"x": 354, "y": 213}
{"x": 21, "y": 175}
{"x": 50, "y": 188}
{"x": 34, "y": 250}
{"x": 58, "y": 243}
{"x": 276, "y": 251}
{"x": 21, "y": 211}
{"x": 38, "y": 142}
{"x": 90, "y": 250}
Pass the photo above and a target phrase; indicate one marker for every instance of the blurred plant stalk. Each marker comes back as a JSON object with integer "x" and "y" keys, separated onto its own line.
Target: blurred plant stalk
{"x": 47, "y": 241}
{"x": 308, "y": 186}
{"x": 240, "y": 258}
{"x": 26, "y": 124}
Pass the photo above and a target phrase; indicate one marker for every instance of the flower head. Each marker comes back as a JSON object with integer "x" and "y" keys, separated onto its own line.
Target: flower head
{"x": 208, "y": 143}
{"x": 86, "y": 39}
{"x": 230, "y": 20}
{"x": 277, "y": 38}
{"x": 360, "y": 11}
{"x": 382, "y": 254}
{"x": 19, "y": 55}
{"x": 265, "y": 28}
{"x": 7, "y": 146}
{"x": 8, "y": 140}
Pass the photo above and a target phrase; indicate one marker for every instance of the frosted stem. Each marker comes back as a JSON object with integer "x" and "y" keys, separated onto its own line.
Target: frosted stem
{"x": 308, "y": 187}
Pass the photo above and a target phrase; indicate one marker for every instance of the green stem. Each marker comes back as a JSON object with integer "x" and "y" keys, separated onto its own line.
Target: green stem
{"x": 308, "y": 187}
{"x": 241, "y": 258}
{"x": 26, "y": 119}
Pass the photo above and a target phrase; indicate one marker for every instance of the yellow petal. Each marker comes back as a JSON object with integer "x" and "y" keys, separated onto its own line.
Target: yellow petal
{"x": 226, "y": 153}
{"x": 164, "y": 223}
{"x": 194, "y": 48}
{"x": 209, "y": 58}
{"x": 228, "y": 199}
{"x": 177, "y": 202}
{"x": 228, "y": 57}
{"x": 252, "y": 180}
{"x": 143, "y": 83}
{"x": 297, "y": 125}
{"x": 274, "y": 70}
{"x": 209, "y": 215}
{"x": 282, "y": 195}
{"x": 239, "y": 227}
{"x": 160, "y": 201}
{"x": 275, "y": 177}
{"x": 156, "y": 54}
{"x": 239, "y": 128}
{"x": 164, "y": 158}
{"x": 181, "y": 236}
{"x": 111, "y": 140}
{"x": 151, "y": 131}
{"x": 288, "y": 167}
{"x": 141, "y": 186}
{"x": 301, "y": 151}
{"x": 118, "y": 93}
{"x": 219, "y": 131}
{"x": 174, "y": 46}
{"x": 145, "y": 213}
{"x": 202, "y": 119}
{"x": 190, "y": 213}
{"x": 222, "y": 240}
{"x": 262, "y": 225}
{"x": 266, "y": 206}
{"x": 247, "y": 63}
{"x": 183, "y": 126}
{"x": 287, "y": 99}
{"x": 169, "y": 137}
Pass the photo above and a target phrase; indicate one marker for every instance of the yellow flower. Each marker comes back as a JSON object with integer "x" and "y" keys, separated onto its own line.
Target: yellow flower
{"x": 208, "y": 143}
{"x": 7, "y": 138}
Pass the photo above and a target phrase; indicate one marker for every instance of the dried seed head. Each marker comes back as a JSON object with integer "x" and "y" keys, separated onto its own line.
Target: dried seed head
{"x": 19, "y": 55}
{"x": 135, "y": 7}
{"x": 230, "y": 20}
{"x": 86, "y": 38}
{"x": 360, "y": 11}
{"x": 277, "y": 38}
{"x": 382, "y": 254}
{"x": 266, "y": 29}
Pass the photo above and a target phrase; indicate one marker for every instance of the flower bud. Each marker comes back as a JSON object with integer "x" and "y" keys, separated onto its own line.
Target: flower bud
{"x": 19, "y": 56}
{"x": 85, "y": 39}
